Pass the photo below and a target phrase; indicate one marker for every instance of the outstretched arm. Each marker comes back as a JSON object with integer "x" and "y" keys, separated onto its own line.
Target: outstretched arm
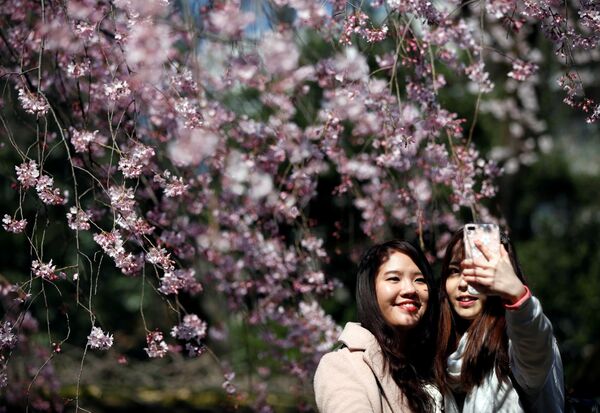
{"x": 533, "y": 349}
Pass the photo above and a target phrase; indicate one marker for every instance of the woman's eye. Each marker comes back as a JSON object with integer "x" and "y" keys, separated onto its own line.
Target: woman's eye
{"x": 394, "y": 278}
{"x": 453, "y": 271}
{"x": 420, "y": 280}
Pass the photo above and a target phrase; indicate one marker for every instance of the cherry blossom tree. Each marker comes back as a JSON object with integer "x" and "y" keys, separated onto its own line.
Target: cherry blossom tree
{"x": 181, "y": 145}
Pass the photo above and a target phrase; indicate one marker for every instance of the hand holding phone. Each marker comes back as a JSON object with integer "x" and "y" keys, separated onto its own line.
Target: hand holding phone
{"x": 488, "y": 235}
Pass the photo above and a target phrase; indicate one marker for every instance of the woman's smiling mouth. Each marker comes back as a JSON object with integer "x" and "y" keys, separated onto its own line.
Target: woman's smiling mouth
{"x": 409, "y": 306}
{"x": 466, "y": 301}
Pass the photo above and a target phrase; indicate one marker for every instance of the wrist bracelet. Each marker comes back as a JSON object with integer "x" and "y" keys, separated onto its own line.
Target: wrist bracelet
{"x": 520, "y": 301}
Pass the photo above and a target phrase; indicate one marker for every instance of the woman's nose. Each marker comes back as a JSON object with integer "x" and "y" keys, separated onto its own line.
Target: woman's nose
{"x": 407, "y": 287}
{"x": 462, "y": 284}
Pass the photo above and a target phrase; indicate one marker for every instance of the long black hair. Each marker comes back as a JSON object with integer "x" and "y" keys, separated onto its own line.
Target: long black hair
{"x": 408, "y": 355}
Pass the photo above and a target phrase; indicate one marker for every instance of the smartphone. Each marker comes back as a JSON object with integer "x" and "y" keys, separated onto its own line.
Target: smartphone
{"x": 488, "y": 234}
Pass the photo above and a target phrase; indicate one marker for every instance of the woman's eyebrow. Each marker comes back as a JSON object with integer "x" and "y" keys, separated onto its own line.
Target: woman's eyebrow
{"x": 393, "y": 272}
{"x": 401, "y": 272}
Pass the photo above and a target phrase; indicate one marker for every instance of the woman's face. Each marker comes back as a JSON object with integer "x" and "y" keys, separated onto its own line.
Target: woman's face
{"x": 402, "y": 293}
{"x": 466, "y": 306}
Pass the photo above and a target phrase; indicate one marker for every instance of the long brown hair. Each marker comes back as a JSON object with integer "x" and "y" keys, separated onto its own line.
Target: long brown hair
{"x": 487, "y": 347}
{"x": 411, "y": 368}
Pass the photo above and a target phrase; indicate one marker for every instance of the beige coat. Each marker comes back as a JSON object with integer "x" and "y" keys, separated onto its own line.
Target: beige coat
{"x": 352, "y": 379}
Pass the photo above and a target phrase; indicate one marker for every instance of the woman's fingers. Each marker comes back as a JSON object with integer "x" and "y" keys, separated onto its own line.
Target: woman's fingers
{"x": 503, "y": 252}
{"x": 477, "y": 272}
{"x": 476, "y": 262}
{"x": 489, "y": 255}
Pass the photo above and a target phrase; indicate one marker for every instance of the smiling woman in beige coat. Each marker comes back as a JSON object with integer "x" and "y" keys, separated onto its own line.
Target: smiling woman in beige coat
{"x": 384, "y": 364}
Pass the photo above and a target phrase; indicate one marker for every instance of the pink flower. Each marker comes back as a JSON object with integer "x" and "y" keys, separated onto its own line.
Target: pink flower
{"x": 48, "y": 194}
{"x": 99, "y": 340}
{"x": 156, "y": 345}
{"x": 133, "y": 162}
{"x": 228, "y": 383}
{"x": 522, "y": 70}
{"x": 190, "y": 113}
{"x": 191, "y": 328}
{"x": 480, "y": 77}
{"x": 279, "y": 53}
{"x": 192, "y": 146}
{"x": 229, "y": 21}
{"x": 148, "y": 48}
{"x": 27, "y": 174}
{"x": 170, "y": 283}
{"x": 356, "y": 24}
{"x": 45, "y": 271}
{"x": 76, "y": 70}
{"x": 81, "y": 140}
{"x": 183, "y": 279}
{"x": 122, "y": 199}
{"x": 78, "y": 219}
{"x": 7, "y": 338}
{"x": 112, "y": 244}
{"x": 116, "y": 90}
{"x": 160, "y": 257}
{"x": 13, "y": 225}
{"x": 173, "y": 186}
{"x": 33, "y": 103}
{"x": 322, "y": 329}
{"x": 314, "y": 245}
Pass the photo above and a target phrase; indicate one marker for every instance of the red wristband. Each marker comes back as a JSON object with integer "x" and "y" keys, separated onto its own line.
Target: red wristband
{"x": 516, "y": 305}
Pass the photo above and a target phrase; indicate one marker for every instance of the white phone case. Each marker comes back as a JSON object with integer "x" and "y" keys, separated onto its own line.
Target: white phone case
{"x": 488, "y": 234}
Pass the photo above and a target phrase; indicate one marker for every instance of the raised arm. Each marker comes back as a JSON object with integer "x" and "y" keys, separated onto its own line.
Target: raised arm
{"x": 533, "y": 351}
{"x": 534, "y": 356}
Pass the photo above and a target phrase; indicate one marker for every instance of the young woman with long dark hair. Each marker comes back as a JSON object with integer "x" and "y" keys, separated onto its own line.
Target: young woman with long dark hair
{"x": 496, "y": 351}
{"x": 385, "y": 362}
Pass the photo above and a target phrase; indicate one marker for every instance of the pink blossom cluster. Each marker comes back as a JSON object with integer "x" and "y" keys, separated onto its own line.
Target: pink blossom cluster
{"x": 160, "y": 257}
{"x": 46, "y": 191}
{"x": 356, "y": 24}
{"x": 157, "y": 348}
{"x": 480, "y": 77}
{"x": 228, "y": 385}
{"x": 99, "y": 340}
{"x": 116, "y": 90}
{"x": 522, "y": 70}
{"x": 28, "y": 174}
{"x": 191, "y": 328}
{"x": 33, "y": 103}
{"x": 180, "y": 280}
{"x": 132, "y": 162}
{"x": 7, "y": 338}
{"x": 78, "y": 69}
{"x": 15, "y": 226}
{"x": 46, "y": 271}
{"x": 82, "y": 140}
{"x": 112, "y": 244}
{"x": 78, "y": 219}
{"x": 173, "y": 186}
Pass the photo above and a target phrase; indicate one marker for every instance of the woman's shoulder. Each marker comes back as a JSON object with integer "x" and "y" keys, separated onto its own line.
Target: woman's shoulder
{"x": 356, "y": 338}
{"x": 343, "y": 378}
{"x": 348, "y": 358}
